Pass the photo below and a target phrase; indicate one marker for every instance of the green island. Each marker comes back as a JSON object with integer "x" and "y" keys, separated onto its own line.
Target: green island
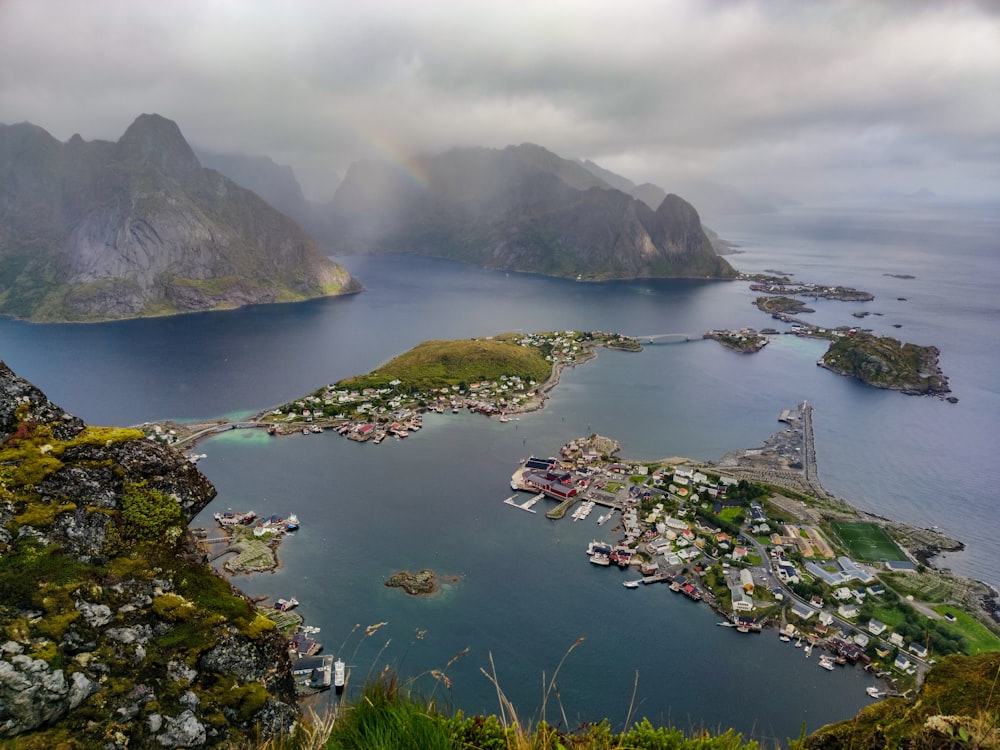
{"x": 781, "y": 304}
{"x": 885, "y": 362}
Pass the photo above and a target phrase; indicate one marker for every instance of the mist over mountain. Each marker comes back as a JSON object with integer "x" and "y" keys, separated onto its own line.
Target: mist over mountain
{"x": 713, "y": 199}
{"x": 100, "y": 230}
{"x": 275, "y": 183}
{"x": 520, "y": 208}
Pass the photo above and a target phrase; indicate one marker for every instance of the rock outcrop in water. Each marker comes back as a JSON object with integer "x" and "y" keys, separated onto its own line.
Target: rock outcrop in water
{"x": 99, "y": 230}
{"x": 884, "y": 362}
{"x": 113, "y": 632}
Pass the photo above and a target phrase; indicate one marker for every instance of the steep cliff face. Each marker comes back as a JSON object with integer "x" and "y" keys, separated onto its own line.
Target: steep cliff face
{"x": 113, "y": 633}
{"x": 108, "y": 230}
{"x": 521, "y": 208}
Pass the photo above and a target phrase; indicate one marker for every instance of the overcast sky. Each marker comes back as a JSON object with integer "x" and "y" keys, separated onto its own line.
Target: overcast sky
{"x": 803, "y": 97}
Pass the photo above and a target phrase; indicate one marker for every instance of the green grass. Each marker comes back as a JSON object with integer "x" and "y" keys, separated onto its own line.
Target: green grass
{"x": 439, "y": 364}
{"x": 979, "y": 638}
{"x": 730, "y": 513}
{"x": 388, "y": 717}
{"x": 867, "y": 541}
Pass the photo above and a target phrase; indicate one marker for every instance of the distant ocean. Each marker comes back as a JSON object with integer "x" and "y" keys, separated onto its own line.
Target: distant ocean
{"x": 526, "y": 590}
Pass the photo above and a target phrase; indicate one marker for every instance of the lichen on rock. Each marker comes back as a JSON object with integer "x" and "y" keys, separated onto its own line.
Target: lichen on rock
{"x": 117, "y": 632}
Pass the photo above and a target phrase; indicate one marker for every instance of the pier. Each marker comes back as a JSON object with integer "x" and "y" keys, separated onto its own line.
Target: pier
{"x": 527, "y": 504}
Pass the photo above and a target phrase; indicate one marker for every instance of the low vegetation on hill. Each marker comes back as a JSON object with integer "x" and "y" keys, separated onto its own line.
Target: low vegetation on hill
{"x": 958, "y": 707}
{"x": 441, "y": 364}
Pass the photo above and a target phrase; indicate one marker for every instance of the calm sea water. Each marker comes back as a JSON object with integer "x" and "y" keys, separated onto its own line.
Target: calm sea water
{"x": 526, "y": 592}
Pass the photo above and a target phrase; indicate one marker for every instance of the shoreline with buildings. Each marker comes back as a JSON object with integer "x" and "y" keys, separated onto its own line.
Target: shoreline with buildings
{"x": 746, "y": 557}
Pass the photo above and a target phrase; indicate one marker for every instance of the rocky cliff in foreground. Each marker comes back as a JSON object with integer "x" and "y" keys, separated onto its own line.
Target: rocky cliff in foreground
{"x": 99, "y": 230}
{"x": 521, "y": 208}
{"x": 113, "y": 633}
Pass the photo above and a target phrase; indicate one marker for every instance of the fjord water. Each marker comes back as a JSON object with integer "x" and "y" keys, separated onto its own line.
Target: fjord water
{"x": 525, "y": 591}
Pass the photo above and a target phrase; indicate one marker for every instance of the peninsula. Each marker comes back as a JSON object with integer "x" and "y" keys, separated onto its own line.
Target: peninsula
{"x": 757, "y": 537}
{"x": 496, "y": 376}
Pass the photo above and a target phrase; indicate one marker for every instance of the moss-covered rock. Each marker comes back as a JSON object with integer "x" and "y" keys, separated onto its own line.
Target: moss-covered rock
{"x": 114, "y": 630}
{"x": 884, "y": 362}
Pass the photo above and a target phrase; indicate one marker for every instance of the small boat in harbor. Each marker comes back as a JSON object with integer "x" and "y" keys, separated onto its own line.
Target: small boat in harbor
{"x": 784, "y": 638}
{"x": 286, "y": 604}
{"x": 874, "y": 692}
{"x": 808, "y": 650}
{"x": 631, "y": 584}
{"x": 826, "y": 662}
{"x": 292, "y": 523}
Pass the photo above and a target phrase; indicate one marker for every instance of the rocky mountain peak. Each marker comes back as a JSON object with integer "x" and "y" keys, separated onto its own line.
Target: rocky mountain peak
{"x": 157, "y": 141}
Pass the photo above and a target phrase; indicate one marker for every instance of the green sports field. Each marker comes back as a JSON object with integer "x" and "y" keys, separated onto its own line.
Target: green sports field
{"x": 867, "y": 542}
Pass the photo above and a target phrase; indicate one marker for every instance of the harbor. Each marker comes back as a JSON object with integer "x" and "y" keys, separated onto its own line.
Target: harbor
{"x": 670, "y": 542}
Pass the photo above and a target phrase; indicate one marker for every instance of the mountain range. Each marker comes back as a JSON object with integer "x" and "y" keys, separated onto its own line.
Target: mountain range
{"x": 521, "y": 208}
{"x": 100, "y": 230}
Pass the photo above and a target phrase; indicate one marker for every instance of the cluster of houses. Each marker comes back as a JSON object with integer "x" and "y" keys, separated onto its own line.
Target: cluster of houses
{"x": 672, "y": 541}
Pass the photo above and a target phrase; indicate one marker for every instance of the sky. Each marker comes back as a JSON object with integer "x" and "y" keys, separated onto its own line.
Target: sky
{"x": 810, "y": 99}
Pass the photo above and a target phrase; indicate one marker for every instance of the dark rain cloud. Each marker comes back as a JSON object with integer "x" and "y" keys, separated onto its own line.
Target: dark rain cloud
{"x": 820, "y": 96}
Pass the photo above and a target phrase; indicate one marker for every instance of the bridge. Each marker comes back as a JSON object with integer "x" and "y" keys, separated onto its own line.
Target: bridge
{"x": 668, "y": 338}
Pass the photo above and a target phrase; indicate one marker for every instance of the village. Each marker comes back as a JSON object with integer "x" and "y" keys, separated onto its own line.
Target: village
{"x": 730, "y": 543}
{"x": 393, "y": 410}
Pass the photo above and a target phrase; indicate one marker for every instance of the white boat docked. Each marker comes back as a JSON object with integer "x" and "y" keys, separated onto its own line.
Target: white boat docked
{"x": 632, "y": 584}
{"x": 826, "y": 662}
{"x": 874, "y": 692}
{"x": 339, "y": 675}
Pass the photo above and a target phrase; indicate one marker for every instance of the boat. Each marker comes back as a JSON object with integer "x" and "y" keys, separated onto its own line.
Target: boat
{"x": 808, "y": 650}
{"x": 292, "y": 523}
{"x": 339, "y": 675}
{"x": 235, "y": 519}
{"x": 873, "y": 692}
{"x": 798, "y": 643}
{"x": 286, "y": 604}
{"x": 599, "y": 558}
{"x": 631, "y": 584}
{"x": 784, "y": 638}
{"x": 826, "y": 662}
{"x": 305, "y": 431}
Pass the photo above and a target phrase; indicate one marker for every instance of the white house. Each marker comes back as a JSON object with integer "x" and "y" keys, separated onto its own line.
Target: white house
{"x": 742, "y": 601}
{"x": 847, "y": 611}
{"x": 876, "y": 627}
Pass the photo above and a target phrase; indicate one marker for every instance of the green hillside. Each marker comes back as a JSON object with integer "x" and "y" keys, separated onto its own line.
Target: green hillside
{"x": 442, "y": 364}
